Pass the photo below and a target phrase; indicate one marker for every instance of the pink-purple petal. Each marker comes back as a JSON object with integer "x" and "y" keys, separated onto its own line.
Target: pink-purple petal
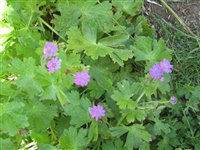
{"x": 97, "y": 112}
{"x": 81, "y": 78}
{"x": 50, "y": 49}
{"x": 54, "y": 64}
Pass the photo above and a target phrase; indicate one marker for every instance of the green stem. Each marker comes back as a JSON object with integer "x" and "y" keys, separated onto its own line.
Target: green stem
{"x": 183, "y": 33}
{"x": 83, "y": 91}
{"x": 116, "y": 22}
{"x": 46, "y": 24}
{"x": 29, "y": 22}
{"x": 192, "y": 133}
{"x": 120, "y": 120}
{"x": 141, "y": 95}
{"x": 53, "y": 134}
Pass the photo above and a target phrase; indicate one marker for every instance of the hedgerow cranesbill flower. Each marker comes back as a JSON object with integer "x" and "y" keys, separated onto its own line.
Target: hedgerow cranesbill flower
{"x": 54, "y": 64}
{"x": 97, "y": 112}
{"x": 166, "y": 66}
{"x": 173, "y": 100}
{"x": 50, "y": 49}
{"x": 81, "y": 78}
{"x": 156, "y": 71}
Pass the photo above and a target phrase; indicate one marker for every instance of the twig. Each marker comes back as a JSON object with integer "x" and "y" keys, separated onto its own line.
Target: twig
{"x": 152, "y": 2}
{"x": 177, "y": 17}
{"x": 181, "y": 21}
{"x": 183, "y": 33}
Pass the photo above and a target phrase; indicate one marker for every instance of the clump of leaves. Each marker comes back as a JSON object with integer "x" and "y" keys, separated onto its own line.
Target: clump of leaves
{"x": 109, "y": 49}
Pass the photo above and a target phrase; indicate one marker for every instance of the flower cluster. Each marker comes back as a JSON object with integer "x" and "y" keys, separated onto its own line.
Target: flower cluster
{"x": 81, "y": 78}
{"x": 97, "y": 112}
{"x": 158, "y": 69}
{"x": 54, "y": 63}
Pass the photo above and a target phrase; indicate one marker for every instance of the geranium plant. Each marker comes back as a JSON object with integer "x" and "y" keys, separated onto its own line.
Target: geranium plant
{"x": 84, "y": 75}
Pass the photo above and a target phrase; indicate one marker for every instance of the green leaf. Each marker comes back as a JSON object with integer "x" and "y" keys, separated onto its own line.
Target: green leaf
{"x": 142, "y": 27}
{"x": 120, "y": 55}
{"x": 87, "y": 43}
{"x": 99, "y": 15}
{"x": 115, "y": 40}
{"x": 47, "y": 147}
{"x": 50, "y": 93}
{"x": 160, "y": 128}
{"x": 29, "y": 85}
{"x": 27, "y": 43}
{"x": 40, "y": 116}
{"x": 168, "y": 142}
{"x": 123, "y": 94}
{"x": 116, "y": 145}
{"x": 136, "y": 136}
{"x": 164, "y": 86}
{"x": 25, "y": 72}
{"x": 13, "y": 117}
{"x": 101, "y": 71}
{"x": 95, "y": 90}
{"x": 72, "y": 60}
{"x": 196, "y": 93}
{"x": 146, "y": 48}
{"x": 132, "y": 7}
{"x": 197, "y": 146}
{"x": 25, "y": 67}
{"x": 81, "y": 115}
{"x": 40, "y": 137}
{"x": 144, "y": 146}
{"x": 67, "y": 18}
{"x": 118, "y": 131}
{"x": 6, "y": 89}
{"x": 78, "y": 43}
{"x": 62, "y": 97}
{"x": 93, "y": 131}
{"x": 73, "y": 139}
{"x": 7, "y": 144}
{"x": 89, "y": 31}
{"x": 53, "y": 92}
{"x": 140, "y": 115}
{"x": 101, "y": 76}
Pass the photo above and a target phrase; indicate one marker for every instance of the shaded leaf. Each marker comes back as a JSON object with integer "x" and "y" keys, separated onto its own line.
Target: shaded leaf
{"x": 40, "y": 116}
{"x": 73, "y": 139}
{"x": 136, "y": 136}
{"x": 12, "y": 117}
{"x": 81, "y": 115}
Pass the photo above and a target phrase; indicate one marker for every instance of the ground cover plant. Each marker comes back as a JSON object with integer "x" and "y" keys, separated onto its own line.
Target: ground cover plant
{"x": 90, "y": 74}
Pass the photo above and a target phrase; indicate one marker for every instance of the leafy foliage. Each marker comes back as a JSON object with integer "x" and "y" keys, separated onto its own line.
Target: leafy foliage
{"x": 114, "y": 44}
{"x": 73, "y": 139}
{"x": 81, "y": 115}
{"x": 13, "y": 117}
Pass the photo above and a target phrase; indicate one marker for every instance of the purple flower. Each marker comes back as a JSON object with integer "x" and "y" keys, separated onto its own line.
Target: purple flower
{"x": 50, "y": 49}
{"x": 156, "y": 71}
{"x": 54, "y": 64}
{"x": 97, "y": 112}
{"x": 81, "y": 78}
{"x": 162, "y": 79}
{"x": 173, "y": 100}
{"x": 166, "y": 66}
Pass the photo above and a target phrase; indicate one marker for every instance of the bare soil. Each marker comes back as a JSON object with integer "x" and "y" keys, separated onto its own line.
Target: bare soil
{"x": 187, "y": 10}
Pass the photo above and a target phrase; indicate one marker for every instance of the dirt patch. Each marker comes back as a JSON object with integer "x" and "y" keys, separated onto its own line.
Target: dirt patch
{"x": 187, "y": 10}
